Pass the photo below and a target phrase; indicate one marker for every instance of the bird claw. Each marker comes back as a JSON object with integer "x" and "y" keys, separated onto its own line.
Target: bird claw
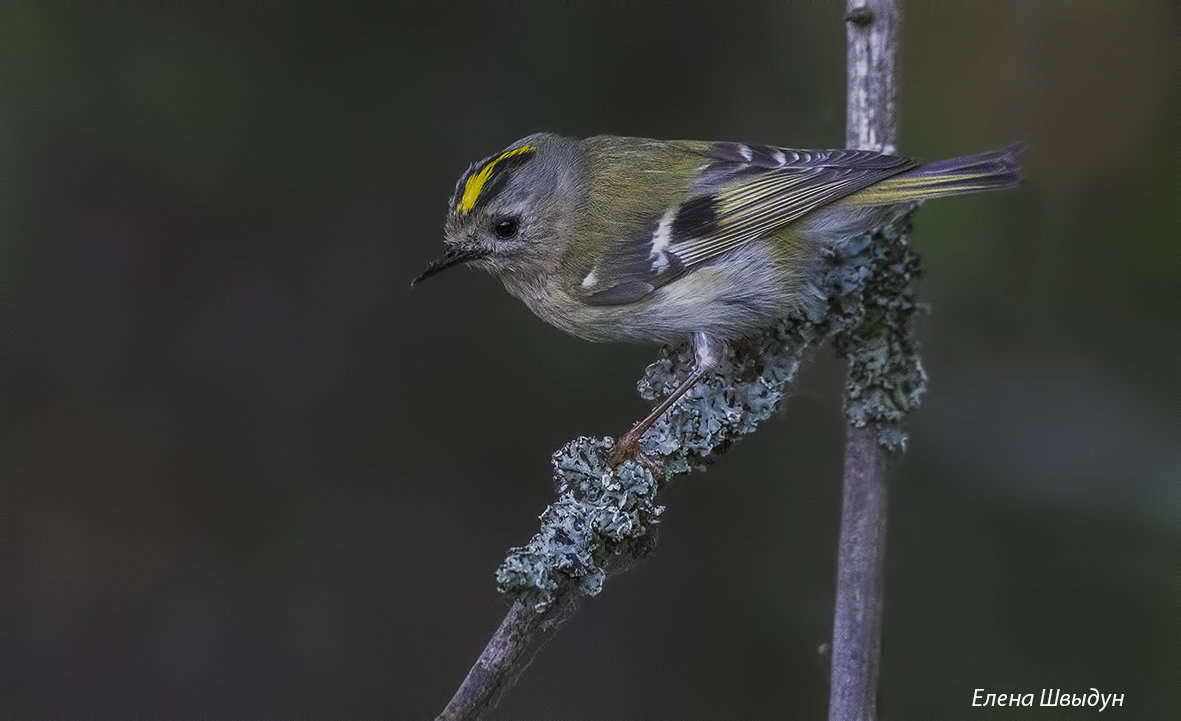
{"x": 627, "y": 448}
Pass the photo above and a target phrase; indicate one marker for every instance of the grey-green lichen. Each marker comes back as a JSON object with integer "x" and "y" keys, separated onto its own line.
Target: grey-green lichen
{"x": 886, "y": 380}
{"x": 597, "y": 511}
{"x": 602, "y": 512}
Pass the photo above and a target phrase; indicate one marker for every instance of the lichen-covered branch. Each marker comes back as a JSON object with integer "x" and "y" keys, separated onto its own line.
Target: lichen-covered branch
{"x": 604, "y": 520}
{"x": 885, "y": 380}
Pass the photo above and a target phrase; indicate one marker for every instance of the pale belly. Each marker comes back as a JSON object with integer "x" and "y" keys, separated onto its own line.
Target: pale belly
{"x": 734, "y": 296}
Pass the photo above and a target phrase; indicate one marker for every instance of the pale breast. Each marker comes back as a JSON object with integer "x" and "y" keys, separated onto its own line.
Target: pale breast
{"x": 733, "y": 296}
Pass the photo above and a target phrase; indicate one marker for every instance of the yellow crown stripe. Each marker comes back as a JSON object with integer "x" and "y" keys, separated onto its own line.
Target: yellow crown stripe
{"x": 475, "y": 184}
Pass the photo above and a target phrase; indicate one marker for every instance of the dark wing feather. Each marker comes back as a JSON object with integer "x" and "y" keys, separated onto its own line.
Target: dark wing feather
{"x": 741, "y": 193}
{"x": 756, "y": 190}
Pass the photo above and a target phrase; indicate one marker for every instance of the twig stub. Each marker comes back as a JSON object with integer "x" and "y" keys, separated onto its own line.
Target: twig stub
{"x": 860, "y": 16}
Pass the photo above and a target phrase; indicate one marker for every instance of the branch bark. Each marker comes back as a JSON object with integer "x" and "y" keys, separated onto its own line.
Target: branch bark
{"x": 512, "y": 648}
{"x": 871, "y": 34}
{"x": 520, "y": 636}
{"x": 857, "y": 621}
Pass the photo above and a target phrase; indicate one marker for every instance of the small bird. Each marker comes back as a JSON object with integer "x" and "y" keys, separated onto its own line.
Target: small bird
{"x": 632, "y": 239}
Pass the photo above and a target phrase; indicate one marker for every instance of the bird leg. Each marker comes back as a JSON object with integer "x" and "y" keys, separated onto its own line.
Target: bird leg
{"x": 707, "y": 351}
{"x": 628, "y": 445}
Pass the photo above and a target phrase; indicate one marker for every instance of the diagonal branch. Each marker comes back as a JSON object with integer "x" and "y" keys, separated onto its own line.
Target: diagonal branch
{"x": 604, "y": 519}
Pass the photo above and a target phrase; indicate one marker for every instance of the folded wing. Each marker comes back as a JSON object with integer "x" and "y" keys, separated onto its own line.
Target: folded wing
{"x": 740, "y": 193}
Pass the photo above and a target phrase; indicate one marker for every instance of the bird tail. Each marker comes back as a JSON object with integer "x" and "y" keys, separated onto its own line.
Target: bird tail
{"x": 969, "y": 174}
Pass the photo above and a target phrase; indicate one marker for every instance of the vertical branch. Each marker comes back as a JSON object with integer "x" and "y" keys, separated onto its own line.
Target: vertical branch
{"x": 871, "y": 28}
{"x": 871, "y": 32}
{"x": 857, "y": 620}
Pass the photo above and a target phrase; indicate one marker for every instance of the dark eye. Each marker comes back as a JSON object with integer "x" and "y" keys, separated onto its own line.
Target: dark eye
{"x": 506, "y": 228}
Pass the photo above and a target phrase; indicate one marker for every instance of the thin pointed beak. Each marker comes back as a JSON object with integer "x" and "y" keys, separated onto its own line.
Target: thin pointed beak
{"x": 454, "y": 256}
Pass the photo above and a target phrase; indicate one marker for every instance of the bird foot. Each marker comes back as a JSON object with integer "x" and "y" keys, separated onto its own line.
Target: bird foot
{"x": 627, "y": 448}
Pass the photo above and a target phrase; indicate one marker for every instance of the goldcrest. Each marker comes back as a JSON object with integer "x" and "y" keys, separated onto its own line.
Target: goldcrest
{"x": 632, "y": 239}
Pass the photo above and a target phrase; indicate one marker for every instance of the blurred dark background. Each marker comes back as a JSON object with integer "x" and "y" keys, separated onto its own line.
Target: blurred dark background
{"x": 249, "y": 472}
